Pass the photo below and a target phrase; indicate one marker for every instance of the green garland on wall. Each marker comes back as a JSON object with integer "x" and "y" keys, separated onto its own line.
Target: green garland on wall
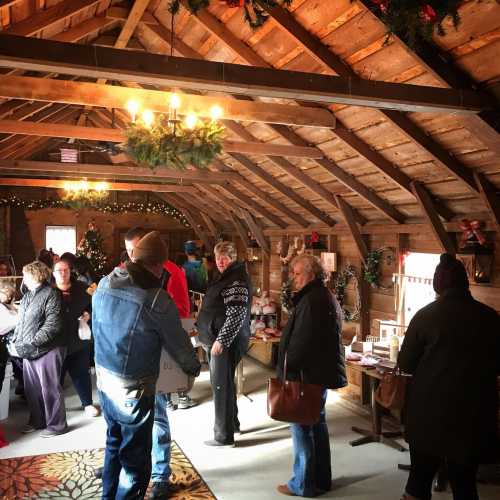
{"x": 153, "y": 208}
{"x": 371, "y": 269}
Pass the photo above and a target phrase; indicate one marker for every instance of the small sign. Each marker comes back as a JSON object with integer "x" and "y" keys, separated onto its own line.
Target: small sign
{"x": 329, "y": 261}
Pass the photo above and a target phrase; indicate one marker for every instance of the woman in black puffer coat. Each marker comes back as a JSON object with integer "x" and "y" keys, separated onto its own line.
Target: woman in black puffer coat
{"x": 39, "y": 340}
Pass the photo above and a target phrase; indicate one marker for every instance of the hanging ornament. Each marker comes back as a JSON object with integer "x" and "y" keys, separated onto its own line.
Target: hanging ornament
{"x": 428, "y": 14}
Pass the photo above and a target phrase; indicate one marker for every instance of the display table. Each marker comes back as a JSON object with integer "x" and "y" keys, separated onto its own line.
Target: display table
{"x": 240, "y": 377}
{"x": 376, "y": 434}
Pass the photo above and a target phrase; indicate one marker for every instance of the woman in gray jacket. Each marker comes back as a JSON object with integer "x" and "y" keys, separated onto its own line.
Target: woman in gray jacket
{"x": 38, "y": 339}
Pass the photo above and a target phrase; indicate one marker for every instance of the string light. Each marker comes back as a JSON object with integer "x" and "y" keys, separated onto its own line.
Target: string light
{"x": 191, "y": 120}
{"x": 148, "y": 118}
{"x": 133, "y": 109}
{"x": 216, "y": 112}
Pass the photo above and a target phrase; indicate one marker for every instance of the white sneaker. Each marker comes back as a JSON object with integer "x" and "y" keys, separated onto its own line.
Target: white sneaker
{"x": 92, "y": 411}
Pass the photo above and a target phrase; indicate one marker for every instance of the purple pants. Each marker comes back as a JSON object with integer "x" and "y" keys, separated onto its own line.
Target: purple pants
{"x": 43, "y": 390}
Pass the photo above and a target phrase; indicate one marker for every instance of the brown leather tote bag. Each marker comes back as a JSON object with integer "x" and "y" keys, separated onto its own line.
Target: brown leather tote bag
{"x": 391, "y": 390}
{"x": 293, "y": 401}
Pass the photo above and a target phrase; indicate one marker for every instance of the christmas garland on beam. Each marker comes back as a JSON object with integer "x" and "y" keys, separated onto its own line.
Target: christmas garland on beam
{"x": 255, "y": 15}
{"x": 153, "y": 208}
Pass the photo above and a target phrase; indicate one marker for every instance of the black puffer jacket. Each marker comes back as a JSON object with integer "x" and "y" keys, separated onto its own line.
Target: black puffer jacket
{"x": 452, "y": 349}
{"x": 40, "y": 325}
{"x": 312, "y": 339}
{"x": 73, "y": 306}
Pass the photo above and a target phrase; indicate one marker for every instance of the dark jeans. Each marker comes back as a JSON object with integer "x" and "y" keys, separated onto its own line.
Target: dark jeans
{"x": 42, "y": 387}
{"x": 77, "y": 364}
{"x": 127, "y": 459}
{"x": 222, "y": 370}
{"x": 312, "y": 473}
{"x": 462, "y": 477}
{"x": 17, "y": 369}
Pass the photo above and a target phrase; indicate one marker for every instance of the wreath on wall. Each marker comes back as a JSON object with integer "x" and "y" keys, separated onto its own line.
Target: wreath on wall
{"x": 341, "y": 280}
{"x": 286, "y": 296}
{"x": 414, "y": 20}
{"x": 371, "y": 269}
{"x": 255, "y": 15}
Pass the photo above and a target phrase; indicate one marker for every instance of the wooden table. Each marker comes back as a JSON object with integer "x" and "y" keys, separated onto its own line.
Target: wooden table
{"x": 376, "y": 434}
{"x": 240, "y": 377}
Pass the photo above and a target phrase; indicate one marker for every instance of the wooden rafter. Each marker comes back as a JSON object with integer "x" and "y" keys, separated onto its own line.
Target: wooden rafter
{"x": 110, "y": 96}
{"x": 257, "y": 232}
{"x": 198, "y": 230}
{"x": 282, "y": 188}
{"x": 113, "y": 186}
{"x": 210, "y": 224}
{"x": 84, "y": 29}
{"x": 404, "y": 123}
{"x": 152, "y": 69}
{"x": 353, "y": 228}
{"x": 88, "y": 169}
{"x": 490, "y": 198}
{"x": 118, "y": 136}
{"x": 44, "y": 19}
{"x": 438, "y": 229}
{"x": 240, "y": 229}
{"x": 194, "y": 205}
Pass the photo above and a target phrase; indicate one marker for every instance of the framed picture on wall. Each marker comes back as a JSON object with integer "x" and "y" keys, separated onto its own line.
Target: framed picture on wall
{"x": 329, "y": 261}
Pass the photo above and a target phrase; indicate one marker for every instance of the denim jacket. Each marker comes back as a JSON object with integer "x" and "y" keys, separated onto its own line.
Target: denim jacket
{"x": 132, "y": 319}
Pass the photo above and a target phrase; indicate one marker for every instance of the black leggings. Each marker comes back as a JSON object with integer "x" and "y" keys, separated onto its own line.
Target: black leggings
{"x": 424, "y": 467}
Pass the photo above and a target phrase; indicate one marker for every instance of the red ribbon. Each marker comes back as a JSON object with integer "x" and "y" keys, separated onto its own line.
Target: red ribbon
{"x": 471, "y": 229}
{"x": 428, "y": 14}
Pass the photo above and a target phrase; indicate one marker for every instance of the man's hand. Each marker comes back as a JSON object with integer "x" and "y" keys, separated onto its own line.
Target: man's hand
{"x": 217, "y": 348}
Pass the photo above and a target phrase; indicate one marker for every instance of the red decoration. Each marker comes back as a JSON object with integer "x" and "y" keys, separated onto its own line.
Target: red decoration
{"x": 428, "y": 14}
{"x": 382, "y": 5}
{"x": 471, "y": 232}
{"x": 234, "y": 3}
{"x": 314, "y": 237}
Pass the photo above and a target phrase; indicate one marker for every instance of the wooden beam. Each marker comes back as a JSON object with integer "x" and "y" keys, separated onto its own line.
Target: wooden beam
{"x": 110, "y": 96}
{"x": 242, "y": 233}
{"x": 489, "y": 194}
{"x": 334, "y": 63}
{"x": 198, "y": 230}
{"x": 113, "y": 186}
{"x": 210, "y": 225}
{"x": 282, "y": 188}
{"x": 44, "y": 19}
{"x": 118, "y": 136}
{"x": 152, "y": 69}
{"x": 135, "y": 15}
{"x": 253, "y": 205}
{"x": 353, "y": 228}
{"x": 122, "y": 14}
{"x": 431, "y": 215}
{"x": 87, "y": 169}
{"x": 193, "y": 204}
{"x": 84, "y": 29}
{"x": 257, "y": 232}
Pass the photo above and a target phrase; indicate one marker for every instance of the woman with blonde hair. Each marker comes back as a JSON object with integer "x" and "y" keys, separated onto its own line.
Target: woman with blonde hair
{"x": 39, "y": 340}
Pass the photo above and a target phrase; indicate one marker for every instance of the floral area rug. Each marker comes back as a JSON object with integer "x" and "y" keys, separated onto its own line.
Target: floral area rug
{"x": 70, "y": 475}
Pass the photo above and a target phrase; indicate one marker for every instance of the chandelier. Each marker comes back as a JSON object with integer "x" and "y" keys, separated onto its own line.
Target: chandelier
{"x": 84, "y": 192}
{"x": 170, "y": 141}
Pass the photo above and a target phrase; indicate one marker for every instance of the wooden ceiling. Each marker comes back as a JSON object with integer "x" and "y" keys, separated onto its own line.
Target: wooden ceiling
{"x": 296, "y": 157}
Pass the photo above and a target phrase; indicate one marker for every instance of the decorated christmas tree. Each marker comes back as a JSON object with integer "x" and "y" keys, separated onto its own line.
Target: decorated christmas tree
{"x": 90, "y": 246}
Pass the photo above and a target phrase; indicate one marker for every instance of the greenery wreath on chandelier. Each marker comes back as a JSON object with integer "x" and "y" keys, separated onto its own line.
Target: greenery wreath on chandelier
{"x": 371, "y": 269}
{"x": 253, "y": 10}
{"x": 174, "y": 146}
{"x": 341, "y": 279}
{"x": 414, "y": 20}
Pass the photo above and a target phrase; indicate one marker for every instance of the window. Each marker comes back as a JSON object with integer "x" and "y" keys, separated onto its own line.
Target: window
{"x": 60, "y": 239}
{"x": 418, "y": 291}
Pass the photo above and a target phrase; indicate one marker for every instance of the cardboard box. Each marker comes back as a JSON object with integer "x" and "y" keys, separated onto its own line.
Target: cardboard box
{"x": 171, "y": 377}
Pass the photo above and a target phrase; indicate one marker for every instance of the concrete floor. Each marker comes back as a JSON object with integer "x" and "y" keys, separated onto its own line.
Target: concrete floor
{"x": 262, "y": 458}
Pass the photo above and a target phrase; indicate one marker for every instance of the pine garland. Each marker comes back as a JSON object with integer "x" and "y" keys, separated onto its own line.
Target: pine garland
{"x": 253, "y": 13}
{"x": 160, "y": 208}
{"x": 371, "y": 270}
{"x": 415, "y": 20}
{"x": 161, "y": 145}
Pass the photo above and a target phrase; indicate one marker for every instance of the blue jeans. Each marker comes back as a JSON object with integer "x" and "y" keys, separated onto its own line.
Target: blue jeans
{"x": 160, "y": 455}
{"x": 312, "y": 472}
{"x": 127, "y": 460}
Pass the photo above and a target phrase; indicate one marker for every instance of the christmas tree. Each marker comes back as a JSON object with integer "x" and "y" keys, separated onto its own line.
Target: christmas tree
{"x": 90, "y": 246}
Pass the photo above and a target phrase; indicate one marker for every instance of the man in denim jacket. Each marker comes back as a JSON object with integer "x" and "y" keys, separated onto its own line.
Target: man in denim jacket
{"x": 132, "y": 319}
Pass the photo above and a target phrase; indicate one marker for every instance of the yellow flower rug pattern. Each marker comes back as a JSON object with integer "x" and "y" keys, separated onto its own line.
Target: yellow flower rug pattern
{"x": 70, "y": 475}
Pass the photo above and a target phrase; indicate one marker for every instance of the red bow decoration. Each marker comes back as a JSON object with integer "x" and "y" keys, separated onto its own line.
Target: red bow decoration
{"x": 471, "y": 229}
{"x": 428, "y": 14}
{"x": 314, "y": 237}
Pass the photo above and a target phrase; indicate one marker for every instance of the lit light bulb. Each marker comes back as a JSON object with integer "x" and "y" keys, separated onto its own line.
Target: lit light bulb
{"x": 101, "y": 186}
{"x": 191, "y": 120}
{"x": 175, "y": 101}
{"x": 216, "y": 113}
{"x": 133, "y": 108}
{"x": 148, "y": 118}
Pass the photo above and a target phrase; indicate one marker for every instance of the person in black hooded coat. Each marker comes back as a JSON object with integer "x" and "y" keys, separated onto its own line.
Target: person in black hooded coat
{"x": 452, "y": 349}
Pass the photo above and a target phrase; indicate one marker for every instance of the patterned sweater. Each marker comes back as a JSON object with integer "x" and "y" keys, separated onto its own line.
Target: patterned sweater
{"x": 236, "y": 300}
